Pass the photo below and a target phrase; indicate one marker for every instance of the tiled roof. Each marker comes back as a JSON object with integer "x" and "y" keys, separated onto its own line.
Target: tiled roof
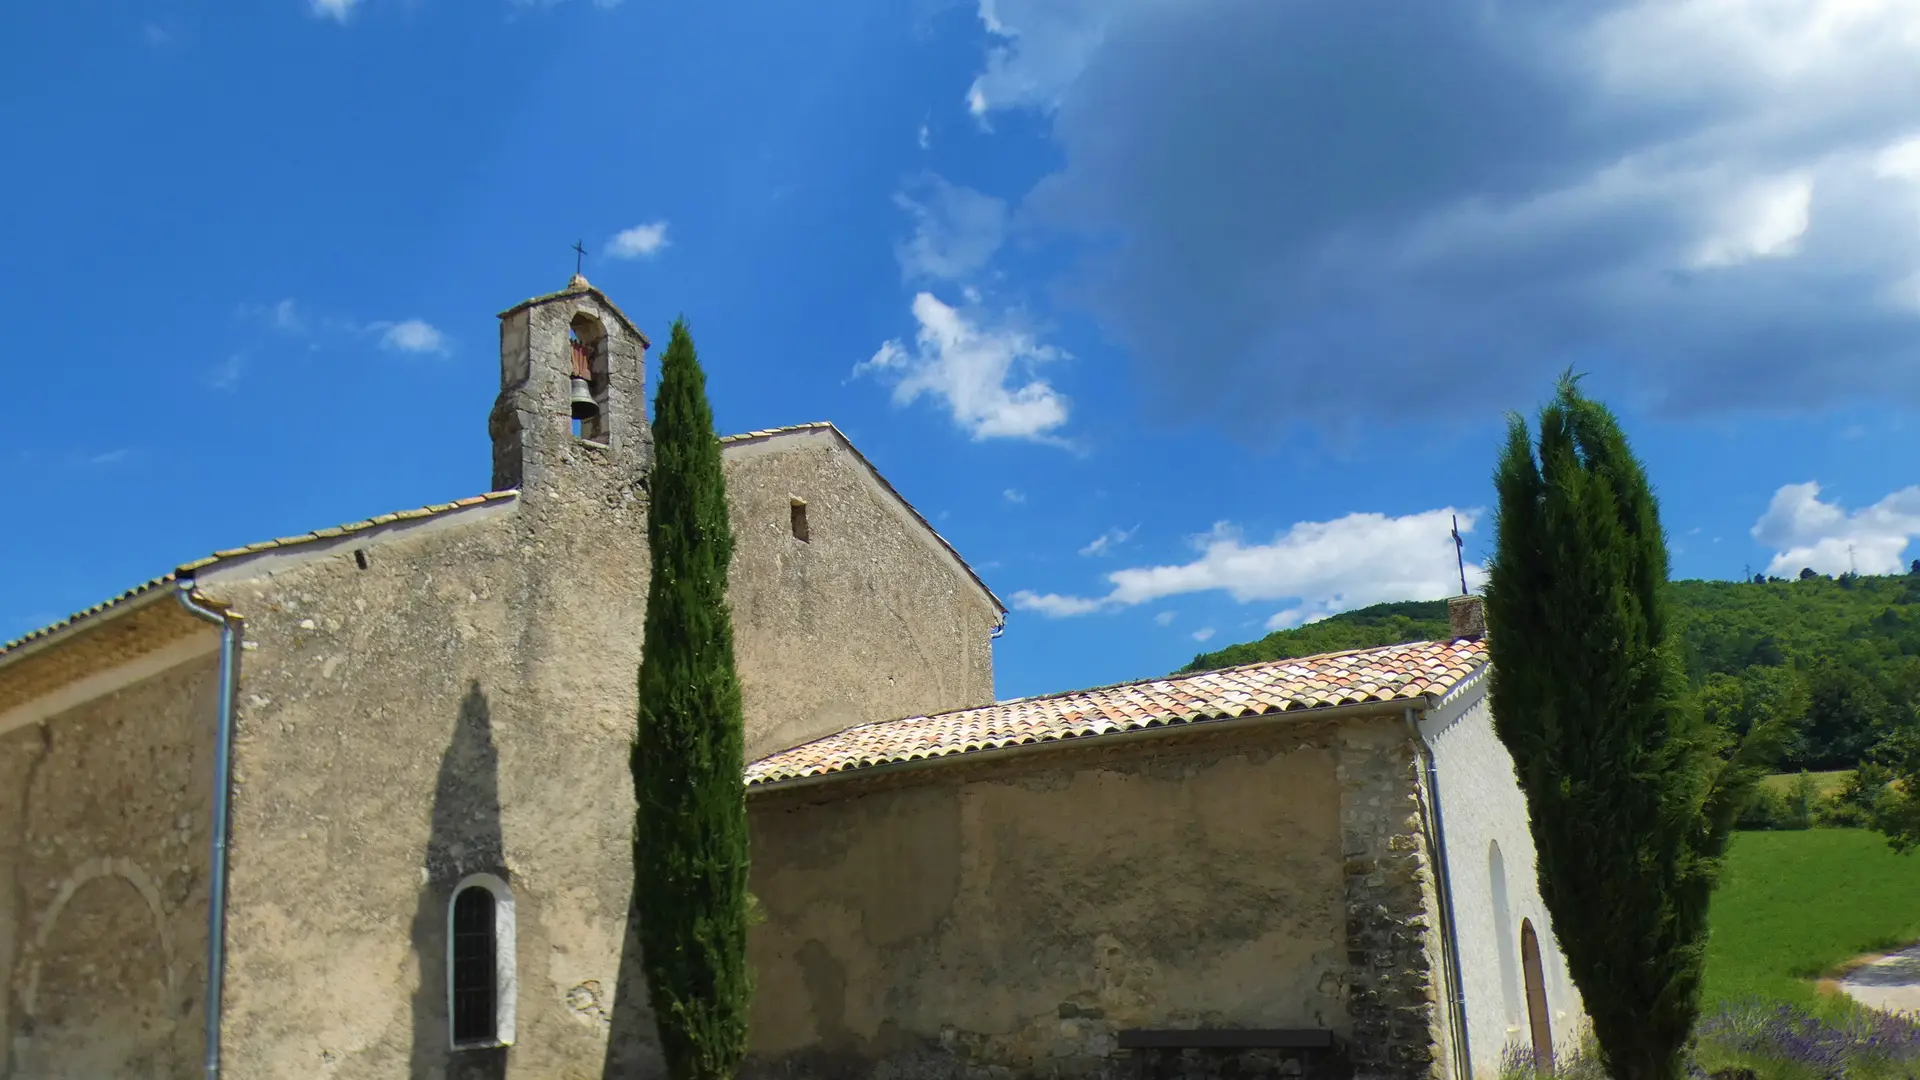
{"x": 343, "y": 530}
{"x": 1394, "y": 673}
{"x": 187, "y": 571}
{"x": 824, "y": 425}
{"x": 134, "y": 593}
{"x": 578, "y": 284}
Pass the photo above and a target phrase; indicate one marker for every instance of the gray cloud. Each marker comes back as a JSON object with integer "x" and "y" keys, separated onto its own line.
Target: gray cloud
{"x": 1308, "y": 209}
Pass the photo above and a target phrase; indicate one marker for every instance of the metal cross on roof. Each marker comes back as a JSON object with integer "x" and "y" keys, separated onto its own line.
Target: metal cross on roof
{"x": 1460, "y": 554}
{"x": 579, "y": 254}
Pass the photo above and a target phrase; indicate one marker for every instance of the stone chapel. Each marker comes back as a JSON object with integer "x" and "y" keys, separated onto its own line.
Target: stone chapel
{"x": 355, "y": 804}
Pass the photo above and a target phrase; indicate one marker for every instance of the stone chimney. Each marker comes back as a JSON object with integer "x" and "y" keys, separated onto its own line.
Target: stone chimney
{"x": 1468, "y": 618}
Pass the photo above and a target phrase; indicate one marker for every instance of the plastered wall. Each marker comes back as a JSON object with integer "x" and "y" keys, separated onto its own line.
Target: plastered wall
{"x": 103, "y": 904}
{"x": 1484, "y": 813}
{"x": 868, "y": 619}
{"x": 1017, "y": 916}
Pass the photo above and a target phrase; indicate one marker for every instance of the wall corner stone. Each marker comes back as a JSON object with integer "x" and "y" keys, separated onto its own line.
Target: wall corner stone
{"x": 1393, "y": 952}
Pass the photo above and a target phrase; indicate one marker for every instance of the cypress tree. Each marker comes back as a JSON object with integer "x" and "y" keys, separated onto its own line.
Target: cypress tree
{"x": 1632, "y": 794}
{"x": 690, "y": 830}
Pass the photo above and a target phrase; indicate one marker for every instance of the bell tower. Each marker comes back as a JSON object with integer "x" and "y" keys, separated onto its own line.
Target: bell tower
{"x": 572, "y": 404}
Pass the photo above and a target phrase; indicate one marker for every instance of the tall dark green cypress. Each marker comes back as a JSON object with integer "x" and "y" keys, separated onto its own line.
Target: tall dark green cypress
{"x": 690, "y": 833}
{"x": 1632, "y": 794}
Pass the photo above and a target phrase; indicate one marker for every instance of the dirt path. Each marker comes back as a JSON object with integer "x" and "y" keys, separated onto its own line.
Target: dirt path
{"x": 1890, "y": 983}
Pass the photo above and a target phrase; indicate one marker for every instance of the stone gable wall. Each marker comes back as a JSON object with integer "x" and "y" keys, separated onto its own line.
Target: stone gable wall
{"x": 459, "y": 696}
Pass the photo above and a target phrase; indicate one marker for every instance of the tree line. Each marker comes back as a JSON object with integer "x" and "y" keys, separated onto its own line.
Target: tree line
{"x": 1838, "y": 658}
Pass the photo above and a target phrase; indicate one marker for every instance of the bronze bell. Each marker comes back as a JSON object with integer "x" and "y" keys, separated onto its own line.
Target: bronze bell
{"x": 584, "y": 407}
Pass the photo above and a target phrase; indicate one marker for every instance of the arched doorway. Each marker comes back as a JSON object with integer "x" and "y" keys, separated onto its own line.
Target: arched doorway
{"x": 1536, "y": 996}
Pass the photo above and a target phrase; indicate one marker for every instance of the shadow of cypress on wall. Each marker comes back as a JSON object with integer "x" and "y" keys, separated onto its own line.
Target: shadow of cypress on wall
{"x": 464, "y": 839}
{"x": 633, "y": 1044}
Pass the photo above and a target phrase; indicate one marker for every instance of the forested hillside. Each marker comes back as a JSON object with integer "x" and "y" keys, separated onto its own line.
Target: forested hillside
{"x": 1844, "y": 654}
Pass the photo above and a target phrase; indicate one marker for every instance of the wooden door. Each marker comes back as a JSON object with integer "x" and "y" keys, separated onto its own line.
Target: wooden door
{"x": 1537, "y": 1017}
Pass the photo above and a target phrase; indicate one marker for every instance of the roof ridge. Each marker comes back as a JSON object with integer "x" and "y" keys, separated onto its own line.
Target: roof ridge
{"x": 761, "y": 433}
{"x": 335, "y": 531}
{"x": 886, "y": 484}
{"x": 186, "y": 571}
{"x": 1196, "y": 674}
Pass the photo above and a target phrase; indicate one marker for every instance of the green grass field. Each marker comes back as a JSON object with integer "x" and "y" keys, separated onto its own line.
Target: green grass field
{"x": 1791, "y": 905}
{"x": 1826, "y": 782}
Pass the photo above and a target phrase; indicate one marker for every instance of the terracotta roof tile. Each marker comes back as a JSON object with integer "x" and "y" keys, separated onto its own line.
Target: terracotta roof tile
{"x": 1394, "y": 673}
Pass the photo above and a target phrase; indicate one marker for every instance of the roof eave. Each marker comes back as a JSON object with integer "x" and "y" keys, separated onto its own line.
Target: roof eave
{"x": 1346, "y": 711}
{"x": 133, "y": 599}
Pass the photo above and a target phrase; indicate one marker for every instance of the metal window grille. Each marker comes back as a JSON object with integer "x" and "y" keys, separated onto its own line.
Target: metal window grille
{"x": 475, "y": 971}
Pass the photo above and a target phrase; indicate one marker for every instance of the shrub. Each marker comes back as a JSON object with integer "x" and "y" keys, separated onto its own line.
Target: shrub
{"x": 1780, "y": 811}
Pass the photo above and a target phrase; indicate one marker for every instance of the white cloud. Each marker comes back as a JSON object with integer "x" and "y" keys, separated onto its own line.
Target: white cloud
{"x": 926, "y": 136}
{"x": 225, "y": 375}
{"x": 639, "y": 242}
{"x": 284, "y": 316}
{"x": 1322, "y": 567}
{"x": 1043, "y": 46}
{"x": 1721, "y": 195}
{"x": 1054, "y": 605}
{"x": 1164, "y": 618}
{"x": 1766, "y": 220}
{"x": 1203, "y": 633}
{"x": 1806, "y": 532}
{"x": 337, "y": 10}
{"x": 1108, "y": 540}
{"x": 982, "y": 373}
{"x": 1014, "y": 495}
{"x": 956, "y": 230}
{"x": 413, "y": 336}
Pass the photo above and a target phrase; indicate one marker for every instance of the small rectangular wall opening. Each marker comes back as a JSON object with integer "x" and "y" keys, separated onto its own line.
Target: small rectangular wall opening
{"x": 797, "y": 515}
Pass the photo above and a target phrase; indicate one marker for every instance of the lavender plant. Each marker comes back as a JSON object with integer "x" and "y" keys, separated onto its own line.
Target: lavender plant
{"x": 1777, "y": 1039}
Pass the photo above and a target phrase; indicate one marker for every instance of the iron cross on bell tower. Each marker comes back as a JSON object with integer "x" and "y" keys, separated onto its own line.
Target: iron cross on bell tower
{"x": 1460, "y": 554}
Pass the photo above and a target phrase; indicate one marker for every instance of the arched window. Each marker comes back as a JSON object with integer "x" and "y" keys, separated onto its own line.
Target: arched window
{"x": 1503, "y": 935}
{"x": 480, "y": 963}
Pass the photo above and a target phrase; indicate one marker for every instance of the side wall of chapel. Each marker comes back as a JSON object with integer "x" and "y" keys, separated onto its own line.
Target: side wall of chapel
{"x": 1495, "y": 893}
{"x": 104, "y": 853}
{"x": 1010, "y": 918}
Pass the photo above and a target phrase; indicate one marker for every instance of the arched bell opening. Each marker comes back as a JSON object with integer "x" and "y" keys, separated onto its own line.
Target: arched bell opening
{"x": 587, "y": 387}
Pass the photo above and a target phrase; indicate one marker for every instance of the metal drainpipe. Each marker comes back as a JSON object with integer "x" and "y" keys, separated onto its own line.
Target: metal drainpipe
{"x": 1463, "y": 1063}
{"x": 222, "y": 782}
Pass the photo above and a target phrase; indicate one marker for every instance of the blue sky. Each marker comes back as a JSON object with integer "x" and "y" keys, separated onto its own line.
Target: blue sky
{"x": 1181, "y": 320}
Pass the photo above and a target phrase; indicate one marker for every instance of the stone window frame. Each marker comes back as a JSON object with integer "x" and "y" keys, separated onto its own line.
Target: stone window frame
{"x": 505, "y": 969}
